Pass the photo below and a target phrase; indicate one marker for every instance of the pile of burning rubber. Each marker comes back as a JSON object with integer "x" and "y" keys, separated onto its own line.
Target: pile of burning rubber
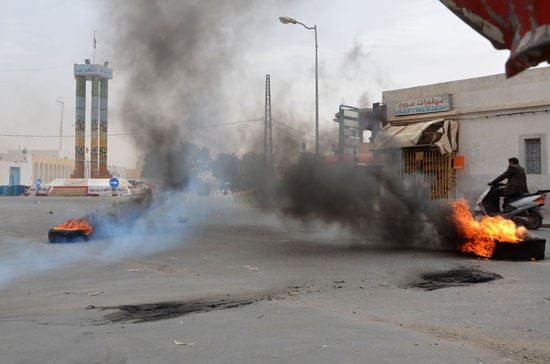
{"x": 71, "y": 231}
{"x": 494, "y": 236}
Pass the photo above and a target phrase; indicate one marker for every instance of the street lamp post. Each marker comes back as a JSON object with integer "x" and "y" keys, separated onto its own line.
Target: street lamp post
{"x": 60, "y": 102}
{"x": 289, "y": 20}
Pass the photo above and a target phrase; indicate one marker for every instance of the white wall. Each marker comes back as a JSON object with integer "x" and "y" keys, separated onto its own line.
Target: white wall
{"x": 25, "y": 172}
{"x": 487, "y": 144}
{"x": 495, "y": 115}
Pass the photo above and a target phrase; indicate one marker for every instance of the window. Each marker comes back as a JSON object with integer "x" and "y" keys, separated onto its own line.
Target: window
{"x": 533, "y": 156}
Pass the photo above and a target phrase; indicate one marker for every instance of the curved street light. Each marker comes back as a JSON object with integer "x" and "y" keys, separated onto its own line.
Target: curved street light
{"x": 289, "y": 20}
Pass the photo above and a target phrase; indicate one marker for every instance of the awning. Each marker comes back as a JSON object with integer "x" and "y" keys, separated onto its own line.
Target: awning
{"x": 439, "y": 133}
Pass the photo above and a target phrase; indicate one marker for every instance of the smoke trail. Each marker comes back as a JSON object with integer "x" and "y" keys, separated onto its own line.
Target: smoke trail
{"x": 142, "y": 227}
{"x": 27, "y": 259}
{"x": 127, "y": 229}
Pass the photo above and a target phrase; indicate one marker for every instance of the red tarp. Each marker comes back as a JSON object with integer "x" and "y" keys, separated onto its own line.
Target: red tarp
{"x": 522, "y": 26}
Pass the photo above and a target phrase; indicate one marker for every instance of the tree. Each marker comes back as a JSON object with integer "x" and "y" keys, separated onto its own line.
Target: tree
{"x": 174, "y": 164}
{"x": 257, "y": 175}
{"x": 227, "y": 168}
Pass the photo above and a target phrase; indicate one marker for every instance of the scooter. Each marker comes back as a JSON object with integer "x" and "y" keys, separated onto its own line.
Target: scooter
{"x": 523, "y": 210}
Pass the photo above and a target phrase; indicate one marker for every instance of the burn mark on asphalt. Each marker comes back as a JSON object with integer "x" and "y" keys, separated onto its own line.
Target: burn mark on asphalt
{"x": 166, "y": 310}
{"x": 430, "y": 281}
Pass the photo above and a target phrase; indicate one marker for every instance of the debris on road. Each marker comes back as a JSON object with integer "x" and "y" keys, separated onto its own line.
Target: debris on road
{"x": 182, "y": 343}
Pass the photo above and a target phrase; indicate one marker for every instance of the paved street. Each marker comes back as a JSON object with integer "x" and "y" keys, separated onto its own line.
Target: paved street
{"x": 216, "y": 280}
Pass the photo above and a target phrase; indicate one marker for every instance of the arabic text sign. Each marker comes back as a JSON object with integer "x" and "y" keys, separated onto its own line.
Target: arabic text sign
{"x": 93, "y": 70}
{"x": 424, "y": 105}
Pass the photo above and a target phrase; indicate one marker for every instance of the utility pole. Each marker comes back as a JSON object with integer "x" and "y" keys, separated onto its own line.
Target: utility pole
{"x": 268, "y": 125}
{"x": 61, "y": 103}
{"x": 316, "y": 95}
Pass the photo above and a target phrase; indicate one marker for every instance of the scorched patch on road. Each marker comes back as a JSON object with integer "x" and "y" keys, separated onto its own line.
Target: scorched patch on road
{"x": 454, "y": 278}
{"x": 166, "y": 310}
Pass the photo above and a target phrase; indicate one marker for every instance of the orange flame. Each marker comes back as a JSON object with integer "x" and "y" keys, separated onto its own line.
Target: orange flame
{"x": 482, "y": 236}
{"x": 79, "y": 224}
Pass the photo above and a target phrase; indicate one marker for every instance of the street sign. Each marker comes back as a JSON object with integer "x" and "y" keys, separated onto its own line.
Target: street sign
{"x": 351, "y": 123}
{"x": 38, "y": 182}
{"x": 351, "y": 114}
{"x": 349, "y": 131}
{"x": 113, "y": 182}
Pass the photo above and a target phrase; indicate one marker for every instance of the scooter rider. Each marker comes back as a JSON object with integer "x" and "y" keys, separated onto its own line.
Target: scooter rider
{"x": 517, "y": 181}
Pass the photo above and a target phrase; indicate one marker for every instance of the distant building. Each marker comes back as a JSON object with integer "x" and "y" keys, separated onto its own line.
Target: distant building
{"x": 118, "y": 172}
{"x": 24, "y": 167}
{"x": 127, "y": 173}
{"x": 49, "y": 167}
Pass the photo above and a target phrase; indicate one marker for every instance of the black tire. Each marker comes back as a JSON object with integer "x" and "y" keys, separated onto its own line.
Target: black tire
{"x": 478, "y": 215}
{"x": 534, "y": 220}
{"x": 66, "y": 236}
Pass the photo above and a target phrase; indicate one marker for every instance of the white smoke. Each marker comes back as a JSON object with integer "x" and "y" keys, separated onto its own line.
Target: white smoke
{"x": 127, "y": 230}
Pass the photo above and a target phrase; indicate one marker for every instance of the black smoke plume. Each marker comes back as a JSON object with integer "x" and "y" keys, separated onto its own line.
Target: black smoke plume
{"x": 172, "y": 56}
{"x": 377, "y": 205}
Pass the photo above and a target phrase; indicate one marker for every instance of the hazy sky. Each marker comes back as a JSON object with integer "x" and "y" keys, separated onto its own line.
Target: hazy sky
{"x": 365, "y": 47}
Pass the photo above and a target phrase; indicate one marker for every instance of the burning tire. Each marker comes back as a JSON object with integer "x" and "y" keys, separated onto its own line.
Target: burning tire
{"x": 497, "y": 237}
{"x": 67, "y": 236}
{"x": 71, "y": 231}
{"x": 478, "y": 214}
{"x": 531, "y": 249}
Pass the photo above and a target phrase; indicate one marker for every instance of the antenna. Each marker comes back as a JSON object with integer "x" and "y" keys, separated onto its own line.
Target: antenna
{"x": 95, "y": 44}
{"x": 60, "y": 102}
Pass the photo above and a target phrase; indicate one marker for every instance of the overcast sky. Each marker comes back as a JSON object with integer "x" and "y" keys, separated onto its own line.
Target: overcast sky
{"x": 365, "y": 47}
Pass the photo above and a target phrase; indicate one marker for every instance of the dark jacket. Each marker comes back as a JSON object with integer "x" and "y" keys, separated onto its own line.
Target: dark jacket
{"x": 517, "y": 180}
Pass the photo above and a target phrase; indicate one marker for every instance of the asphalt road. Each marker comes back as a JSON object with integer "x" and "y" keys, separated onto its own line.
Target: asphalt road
{"x": 215, "y": 280}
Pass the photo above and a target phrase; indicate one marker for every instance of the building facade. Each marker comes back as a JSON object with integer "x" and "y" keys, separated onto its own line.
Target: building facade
{"x": 496, "y": 118}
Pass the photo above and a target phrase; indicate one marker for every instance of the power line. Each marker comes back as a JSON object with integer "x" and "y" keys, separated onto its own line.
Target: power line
{"x": 57, "y": 136}
{"x": 297, "y": 135}
{"x": 224, "y": 124}
{"x": 127, "y": 134}
{"x": 33, "y": 69}
{"x": 294, "y": 129}
{"x": 299, "y": 139}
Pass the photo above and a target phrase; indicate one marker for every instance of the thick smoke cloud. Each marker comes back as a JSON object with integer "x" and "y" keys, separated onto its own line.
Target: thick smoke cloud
{"x": 172, "y": 57}
{"x": 377, "y": 205}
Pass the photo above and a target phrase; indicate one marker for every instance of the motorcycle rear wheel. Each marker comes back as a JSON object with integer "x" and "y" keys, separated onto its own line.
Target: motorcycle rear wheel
{"x": 534, "y": 220}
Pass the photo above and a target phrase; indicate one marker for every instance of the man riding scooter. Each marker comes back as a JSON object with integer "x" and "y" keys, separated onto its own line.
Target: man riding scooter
{"x": 520, "y": 206}
{"x": 515, "y": 186}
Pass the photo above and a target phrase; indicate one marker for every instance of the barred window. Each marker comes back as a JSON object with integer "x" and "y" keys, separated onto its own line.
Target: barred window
{"x": 533, "y": 156}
